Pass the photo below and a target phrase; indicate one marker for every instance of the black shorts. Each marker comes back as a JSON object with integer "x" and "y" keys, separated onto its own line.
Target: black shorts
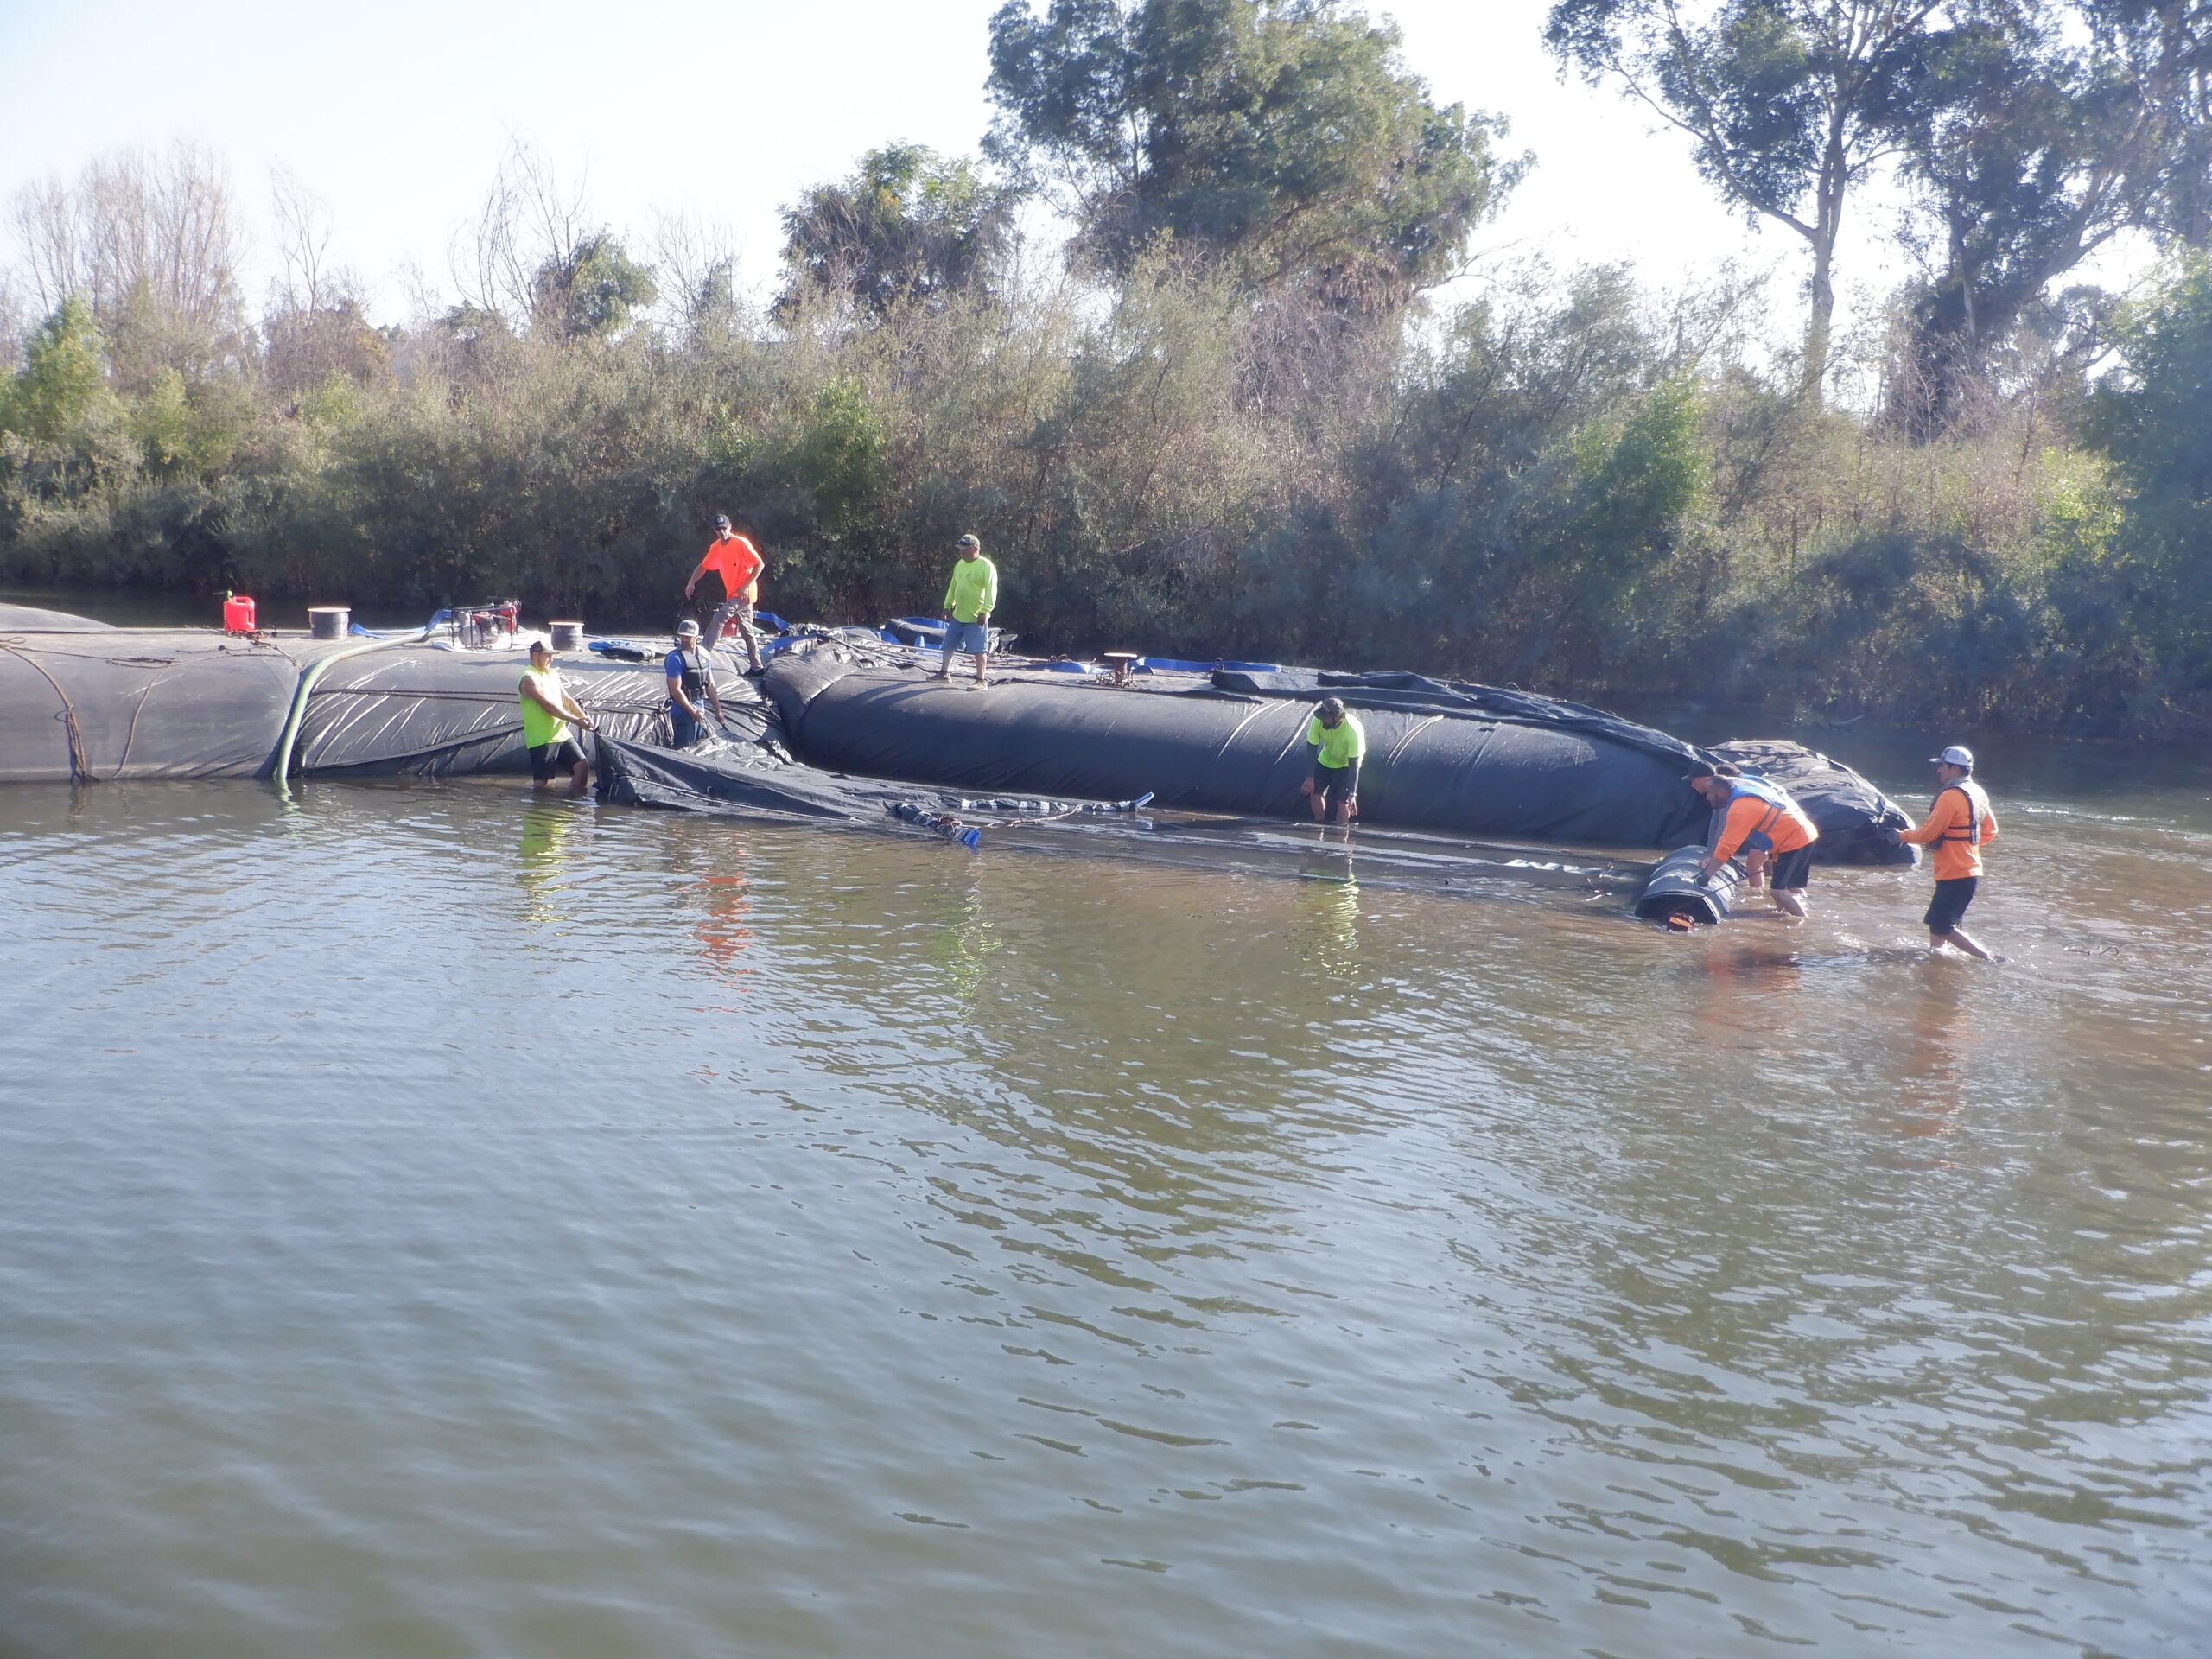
{"x": 1790, "y": 872}
{"x": 1335, "y": 783}
{"x": 1952, "y": 899}
{"x": 550, "y": 760}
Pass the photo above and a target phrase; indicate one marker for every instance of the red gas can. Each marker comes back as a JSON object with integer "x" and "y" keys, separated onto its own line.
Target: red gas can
{"x": 238, "y": 614}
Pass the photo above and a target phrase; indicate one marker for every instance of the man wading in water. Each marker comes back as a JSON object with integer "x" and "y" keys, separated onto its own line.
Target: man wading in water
{"x": 547, "y": 708}
{"x": 736, "y": 561}
{"x": 1339, "y": 745}
{"x": 969, "y": 598}
{"x": 1960, "y": 825}
{"x": 691, "y": 676}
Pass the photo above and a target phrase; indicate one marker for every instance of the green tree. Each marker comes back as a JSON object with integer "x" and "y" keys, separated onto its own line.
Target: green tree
{"x": 2154, "y": 423}
{"x": 591, "y": 291}
{"x": 1789, "y": 104}
{"x": 2165, "y": 48}
{"x": 909, "y": 224}
{"x": 62, "y": 389}
{"x": 2028, "y": 154}
{"x": 1283, "y": 137}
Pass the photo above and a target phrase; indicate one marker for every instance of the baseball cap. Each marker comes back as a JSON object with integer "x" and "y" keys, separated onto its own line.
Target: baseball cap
{"x": 687, "y": 627}
{"x": 1332, "y": 705}
{"x": 967, "y": 541}
{"x": 721, "y": 521}
{"x": 1957, "y": 755}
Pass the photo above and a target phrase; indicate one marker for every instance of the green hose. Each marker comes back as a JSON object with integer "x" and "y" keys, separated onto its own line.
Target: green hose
{"x": 308, "y": 676}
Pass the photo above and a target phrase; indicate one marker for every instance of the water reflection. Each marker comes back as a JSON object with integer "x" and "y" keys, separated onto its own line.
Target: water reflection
{"x": 720, "y": 905}
{"x": 1328, "y": 907}
{"x": 963, "y": 939}
{"x": 1747, "y": 993}
{"x": 542, "y": 861}
{"x": 1935, "y": 1048}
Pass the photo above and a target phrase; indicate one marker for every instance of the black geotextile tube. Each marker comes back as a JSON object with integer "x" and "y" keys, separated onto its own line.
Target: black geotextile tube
{"x": 1675, "y": 887}
{"x": 1213, "y": 750}
{"x": 94, "y": 705}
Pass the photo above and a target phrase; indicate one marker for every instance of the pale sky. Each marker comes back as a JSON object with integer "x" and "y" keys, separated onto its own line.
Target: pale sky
{"x": 398, "y": 113}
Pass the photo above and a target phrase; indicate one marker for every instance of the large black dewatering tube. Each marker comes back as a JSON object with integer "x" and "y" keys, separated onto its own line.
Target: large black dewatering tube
{"x": 1462, "y": 759}
{"x": 79, "y": 701}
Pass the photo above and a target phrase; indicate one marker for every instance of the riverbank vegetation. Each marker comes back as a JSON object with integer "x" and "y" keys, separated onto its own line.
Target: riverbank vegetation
{"x": 1210, "y": 406}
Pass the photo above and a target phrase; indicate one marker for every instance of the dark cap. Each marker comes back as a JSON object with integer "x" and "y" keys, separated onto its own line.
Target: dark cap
{"x": 721, "y": 521}
{"x": 1332, "y": 705}
{"x": 969, "y": 541}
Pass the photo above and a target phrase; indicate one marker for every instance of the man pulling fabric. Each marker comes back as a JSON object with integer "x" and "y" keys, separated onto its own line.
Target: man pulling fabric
{"x": 691, "y": 679}
{"x": 1752, "y": 815}
{"x": 547, "y": 708}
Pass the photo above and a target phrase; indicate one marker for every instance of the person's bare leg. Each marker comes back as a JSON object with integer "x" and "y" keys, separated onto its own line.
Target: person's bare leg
{"x": 1343, "y": 813}
{"x": 580, "y": 779}
{"x": 1790, "y": 901}
{"x": 1964, "y": 941}
{"x": 944, "y": 664}
{"x": 1320, "y": 807}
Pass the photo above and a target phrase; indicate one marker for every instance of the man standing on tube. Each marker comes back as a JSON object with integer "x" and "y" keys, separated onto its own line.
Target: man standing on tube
{"x": 734, "y": 559}
{"x": 968, "y": 599}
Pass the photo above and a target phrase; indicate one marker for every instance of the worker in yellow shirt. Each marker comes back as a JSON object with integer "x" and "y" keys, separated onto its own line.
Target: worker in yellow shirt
{"x": 968, "y": 599}
{"x": 1960, "y": 825}
{"x": 1339, "y": 743}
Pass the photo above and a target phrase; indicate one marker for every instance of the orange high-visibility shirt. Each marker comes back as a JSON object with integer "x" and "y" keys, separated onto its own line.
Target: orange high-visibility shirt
{"x": 1787, "y": 828}
{"x": 738, "y": 562}
{"x": 1950, "y": 830}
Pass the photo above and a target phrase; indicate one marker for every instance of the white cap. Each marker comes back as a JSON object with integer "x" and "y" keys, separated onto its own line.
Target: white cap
{"x": 1957, "y": 755}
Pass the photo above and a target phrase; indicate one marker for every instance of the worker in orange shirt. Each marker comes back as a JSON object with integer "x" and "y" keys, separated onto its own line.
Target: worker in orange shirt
{"x": 1756, "y": 817}
{"x": 1960, "y": 825}
{"x": 737, "y": 562}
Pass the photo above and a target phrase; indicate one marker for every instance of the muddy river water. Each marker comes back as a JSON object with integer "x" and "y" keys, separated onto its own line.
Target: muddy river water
{"x": 437, "y": 1223}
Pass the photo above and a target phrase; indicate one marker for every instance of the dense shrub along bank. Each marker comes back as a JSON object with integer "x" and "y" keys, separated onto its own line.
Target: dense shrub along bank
{"x": 1572, "y": 489}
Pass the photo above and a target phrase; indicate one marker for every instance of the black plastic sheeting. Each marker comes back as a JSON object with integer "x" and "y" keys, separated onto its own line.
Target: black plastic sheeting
{"x": 1459, "y": 760}
{"x": 736, "y": 776}
{"x": 425, "y": 711}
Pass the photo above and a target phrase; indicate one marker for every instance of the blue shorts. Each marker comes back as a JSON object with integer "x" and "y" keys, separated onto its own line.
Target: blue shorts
{"x": 966, "y": 636}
